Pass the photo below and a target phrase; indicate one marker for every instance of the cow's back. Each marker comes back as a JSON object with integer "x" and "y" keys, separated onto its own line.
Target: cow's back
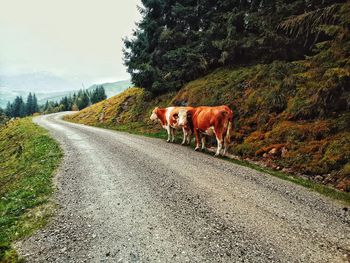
{"x": 204, "y": 117}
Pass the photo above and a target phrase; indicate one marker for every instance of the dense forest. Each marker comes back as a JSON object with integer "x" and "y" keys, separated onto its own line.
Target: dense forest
{"x": 178, "y": 41}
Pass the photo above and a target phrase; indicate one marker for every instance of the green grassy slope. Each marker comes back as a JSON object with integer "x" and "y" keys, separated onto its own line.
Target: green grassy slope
{"x": 28, "y": 158}
{"x": 267, "y": 100}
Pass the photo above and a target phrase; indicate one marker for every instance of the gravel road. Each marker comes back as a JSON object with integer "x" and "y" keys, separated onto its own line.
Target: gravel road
{"x": 128, "y": 198}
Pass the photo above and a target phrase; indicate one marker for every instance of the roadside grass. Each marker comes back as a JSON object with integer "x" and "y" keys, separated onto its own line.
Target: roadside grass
{"x": 343, "y": 197}
{"x": 28, "y": 158}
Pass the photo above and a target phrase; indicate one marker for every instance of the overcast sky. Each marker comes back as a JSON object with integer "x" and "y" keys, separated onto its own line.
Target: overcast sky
{"x": 79, "y": 39}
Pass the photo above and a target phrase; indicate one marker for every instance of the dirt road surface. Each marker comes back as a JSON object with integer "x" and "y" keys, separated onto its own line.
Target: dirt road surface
{"x": 128, "y": 198}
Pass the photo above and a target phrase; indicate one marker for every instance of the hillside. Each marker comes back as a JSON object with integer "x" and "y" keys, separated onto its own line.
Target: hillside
{"x": 278, "y": 126}
{"x": 291, "y": 115}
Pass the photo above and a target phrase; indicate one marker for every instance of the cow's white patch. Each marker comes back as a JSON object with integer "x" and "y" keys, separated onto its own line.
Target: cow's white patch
{"x": 167, "y": 114}
{"x": 218, "y": 150}
{"x": 182, "y": 118}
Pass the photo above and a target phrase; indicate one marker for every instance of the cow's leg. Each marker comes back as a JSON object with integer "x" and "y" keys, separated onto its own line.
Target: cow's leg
{"x": 219, "y": 140}
{"x": 225, "y": 148}
{"x": 184, "y": 137}
{"x": 218, "y": 150}
{"x": 168, "y": 129}
{"x": 189, "y": 133}
{"x": 197, "y": 139}
{"x": 172, "y": 134}
{"x": 203, "y": 143}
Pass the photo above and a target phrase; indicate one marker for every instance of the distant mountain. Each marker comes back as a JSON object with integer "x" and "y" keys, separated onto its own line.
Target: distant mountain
{"x": 9, "y": 94}
{"x": 113, "y": 88}
{"x": 38, "y": 82}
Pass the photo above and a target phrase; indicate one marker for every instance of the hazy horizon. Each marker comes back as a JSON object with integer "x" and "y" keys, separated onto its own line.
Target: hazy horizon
{"x": 66, "y": 42}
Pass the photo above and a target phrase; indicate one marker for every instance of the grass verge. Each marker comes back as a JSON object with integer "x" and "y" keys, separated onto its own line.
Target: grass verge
{"x": 28, "y": 159}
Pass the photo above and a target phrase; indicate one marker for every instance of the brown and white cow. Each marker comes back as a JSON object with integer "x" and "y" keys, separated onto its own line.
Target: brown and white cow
{"x": 209, "y": 121}
{"x": 168, "y": 119}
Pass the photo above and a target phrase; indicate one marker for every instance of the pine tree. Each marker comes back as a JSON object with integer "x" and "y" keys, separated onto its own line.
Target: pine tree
{"x": 102, "y": 93}
{"x": 9, "y": 110}
{"x": 98, "y": 94}
{"x": 83, "y": 99}
{"x": 22, "y": 109}
{"x": 46, "y": 105}
{"x": 94, "y": 96}
{"x": 29, "y": 105}
{"x": 35, "y": 104}
{"x": 18, "y": 107}
{"x": 178, "y": 41}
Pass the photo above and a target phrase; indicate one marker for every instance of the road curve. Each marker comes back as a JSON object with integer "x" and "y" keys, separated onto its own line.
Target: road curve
{"x": 128, "y": 198}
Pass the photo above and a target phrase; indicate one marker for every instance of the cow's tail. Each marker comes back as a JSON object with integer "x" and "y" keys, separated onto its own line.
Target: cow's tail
{"x": 229, "y": 130}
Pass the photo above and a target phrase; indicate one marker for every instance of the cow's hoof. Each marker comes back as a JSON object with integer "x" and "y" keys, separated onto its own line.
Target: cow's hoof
{"x": 196, "y": 149}
{"x": 217, "y": 154}
{"x": 167, "y": 140}
{"x": 183, "y": 143}
{"x": 203, "y": 149}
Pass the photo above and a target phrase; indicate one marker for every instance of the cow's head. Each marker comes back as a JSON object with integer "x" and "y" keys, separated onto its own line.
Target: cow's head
{"x": 182, "y": 118}
{"x": 154, "y": 116}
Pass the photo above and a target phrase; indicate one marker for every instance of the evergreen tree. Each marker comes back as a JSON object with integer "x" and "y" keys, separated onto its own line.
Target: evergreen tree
{"x": 46, "y": 105}
{"x": 22, "y": 109}
{"x": 18, "y": 107}
{"x": 9, "y": 110}
{"x": 29, "y": 105}
{"x": 83, "y": 99}
{"x": 102, "y": 94}
{"x": 98, "y": 94}
{"x": 65, "y": 104}
{"x": 35, "y": 104}
{"x": 178, "y": 41}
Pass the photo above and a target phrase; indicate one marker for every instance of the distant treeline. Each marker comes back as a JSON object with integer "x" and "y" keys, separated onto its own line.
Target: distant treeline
{"x": 20, "y": 108}
{"x": 76, "y": 101}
